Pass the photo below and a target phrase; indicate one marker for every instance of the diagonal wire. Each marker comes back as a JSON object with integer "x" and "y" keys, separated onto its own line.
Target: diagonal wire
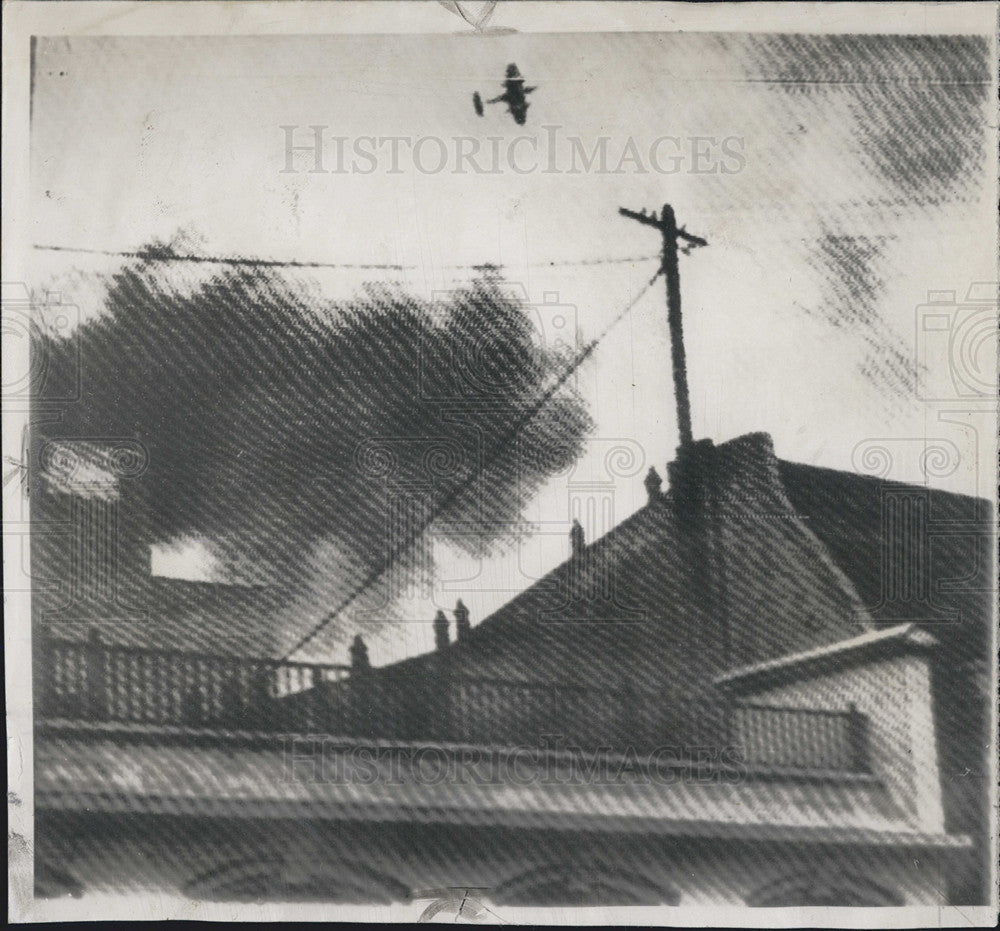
{"x": 499, "y": 447}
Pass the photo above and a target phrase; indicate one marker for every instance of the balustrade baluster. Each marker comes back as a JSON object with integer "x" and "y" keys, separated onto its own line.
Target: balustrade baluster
{"x": 129, "y": 660}
{"x": 311, "y": 698}
{"x": 800, "y": 738}
{"x": 791, "y": 749}
{"x": 96, "y": 677}
{"x": 218, "y": 688}
{"x": 141, "y": 678}
{"x": 188, "y": 710}
{"x": 858, "y": 739}
{"x": 145, "y": 673}
{"x": 114, "y": 708}
{"x": 229, "y": 712}
{"x": 811, "y": 737}
{"x": 153, "y": 688}
{"x": 750, "y": 718}
{"x": 735, "y": 729}
{"x": 778, "y": 728}
{"x": 785, "y": 741}
{"x": 135, "y": 658}
{"x": 841, "y": 742}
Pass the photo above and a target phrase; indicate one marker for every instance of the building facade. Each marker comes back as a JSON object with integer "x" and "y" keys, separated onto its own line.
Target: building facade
{"x": 752, "y": 691}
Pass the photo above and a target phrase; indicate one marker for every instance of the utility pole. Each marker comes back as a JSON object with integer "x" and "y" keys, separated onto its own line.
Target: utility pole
{"x": 667, "y": 225}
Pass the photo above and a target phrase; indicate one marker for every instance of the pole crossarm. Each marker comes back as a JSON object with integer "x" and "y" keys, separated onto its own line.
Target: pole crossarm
{"x": 693, "y": 241}
{"x": 651, "y": 219}
{"x": 642, "y": 217}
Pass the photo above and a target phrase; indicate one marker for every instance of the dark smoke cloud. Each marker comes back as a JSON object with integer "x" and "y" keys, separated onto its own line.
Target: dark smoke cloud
{"x": 851, "y": 274}
{"x": 280, "y": 425}
{"x": 916, "y": 111}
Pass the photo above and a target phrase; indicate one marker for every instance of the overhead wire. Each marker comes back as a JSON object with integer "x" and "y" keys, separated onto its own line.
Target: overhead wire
{"x": 154, "y": 255}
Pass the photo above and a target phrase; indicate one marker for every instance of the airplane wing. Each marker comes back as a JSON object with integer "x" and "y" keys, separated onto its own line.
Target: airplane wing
{"x": 528, "y": 90}
{"x": 498, "y": 99}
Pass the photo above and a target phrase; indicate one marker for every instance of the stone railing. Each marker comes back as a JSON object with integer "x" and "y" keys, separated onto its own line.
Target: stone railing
{"x": 93, "y": 681}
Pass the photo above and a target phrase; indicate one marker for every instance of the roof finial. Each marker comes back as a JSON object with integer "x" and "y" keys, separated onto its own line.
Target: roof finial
{"x": 462, "y": 626}
{"x": 359, "y": 655}
{"x": 653, "y": 483}
{"x": 440, "y": 631}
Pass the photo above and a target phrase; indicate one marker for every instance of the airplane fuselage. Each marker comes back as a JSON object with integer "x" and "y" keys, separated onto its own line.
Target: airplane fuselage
{"x": 514, "y": 95}
{"x": 517, "y": 102}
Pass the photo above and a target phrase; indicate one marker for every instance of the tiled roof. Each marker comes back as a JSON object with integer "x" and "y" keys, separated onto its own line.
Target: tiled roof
{"x": 851, "y": 515}
{"x": 673, "y": 600}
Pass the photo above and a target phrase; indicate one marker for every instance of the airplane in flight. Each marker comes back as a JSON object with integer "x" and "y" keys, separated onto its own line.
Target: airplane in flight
{"x": 514, "y": 96}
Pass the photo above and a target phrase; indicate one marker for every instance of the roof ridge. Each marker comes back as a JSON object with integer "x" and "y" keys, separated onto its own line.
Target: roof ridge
{"x": 862, "y": 477}
{"x": 819, "y": 548}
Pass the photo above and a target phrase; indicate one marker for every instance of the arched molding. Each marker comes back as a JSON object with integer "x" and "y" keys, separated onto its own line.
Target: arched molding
{"x": 259, "y": 879}
{"x": 840, "y": 890}
{"x": 581, "y": 884}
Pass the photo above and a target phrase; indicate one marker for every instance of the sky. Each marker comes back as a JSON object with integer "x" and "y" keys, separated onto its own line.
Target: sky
{"x": 841, "y": 183}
